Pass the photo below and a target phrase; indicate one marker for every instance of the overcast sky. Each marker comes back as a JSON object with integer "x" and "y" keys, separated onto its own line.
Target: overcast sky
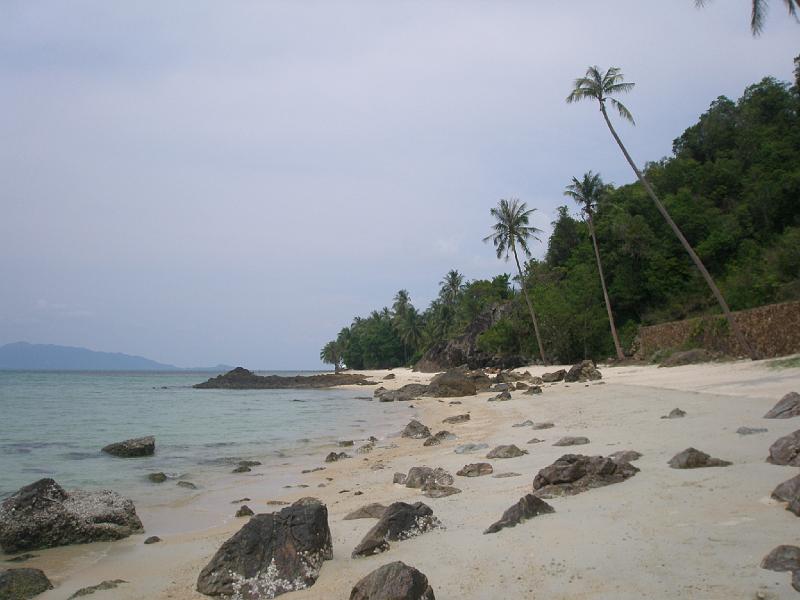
{"x": 202, "y": 182}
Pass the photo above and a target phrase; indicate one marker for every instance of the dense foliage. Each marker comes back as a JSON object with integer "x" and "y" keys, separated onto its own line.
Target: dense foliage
{"x": 732, "y": 185}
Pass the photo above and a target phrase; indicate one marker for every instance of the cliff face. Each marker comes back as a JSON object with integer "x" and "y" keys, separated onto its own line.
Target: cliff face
{"x": 463, "y": 350}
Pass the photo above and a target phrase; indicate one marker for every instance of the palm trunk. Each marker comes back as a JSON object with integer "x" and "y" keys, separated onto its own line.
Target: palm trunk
{"x": 620, "y": 354}
{"x": 737, "y": 332}
{"x": 530, "y": 306}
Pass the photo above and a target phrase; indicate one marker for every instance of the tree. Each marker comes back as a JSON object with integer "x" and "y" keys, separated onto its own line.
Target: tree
{"x": 451, "y": 286}
{"x": 410, "y": 329}
{"x": 759, "y": 12}
{"x": 600, "y": 87}
{"x": 586, "y": 193}
{"x": 331, "y": 354}
{"x": 510, "y": 230}
{"x": 402, "y": 303}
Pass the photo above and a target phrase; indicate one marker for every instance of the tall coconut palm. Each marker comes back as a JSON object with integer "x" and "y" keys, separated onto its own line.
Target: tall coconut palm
{"x": 331, "y": 354}
{"x": 511, "y": 230}
{"x": 759, "y": 12}
{"x": 451, "y": 286}
{"x": 586, "y": 193}
{"x": 402, "y": 302}
{"x": 599, "y": 86}
{"x": 410, "y": 328}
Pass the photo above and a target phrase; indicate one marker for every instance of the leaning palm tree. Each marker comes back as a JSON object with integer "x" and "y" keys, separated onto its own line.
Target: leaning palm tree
{"x": 510, "y": 230}
{"x": 587, "y": 192}
{"x": 599, "y": 86}
{"x": 331, "y": 354}
{"x": 759, "y": 12}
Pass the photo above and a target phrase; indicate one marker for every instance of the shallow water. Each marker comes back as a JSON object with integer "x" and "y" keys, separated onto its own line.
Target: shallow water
{"x": 53, "y": 424}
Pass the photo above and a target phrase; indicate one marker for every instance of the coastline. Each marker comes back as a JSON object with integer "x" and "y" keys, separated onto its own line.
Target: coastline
{"x": 663, "y": 533}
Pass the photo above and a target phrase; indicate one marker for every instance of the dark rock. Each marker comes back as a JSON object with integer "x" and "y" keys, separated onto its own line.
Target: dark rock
{"x": 751, "y": 430}
{"x": 133, "y": 448}
{"x": 416, "y": 430}
{"x": 336, "y": 456}
{"x": 406, "y": 393}
{"x": 475, "y": 470}
{"x": 345, "y": 443}
{"x": 554, "y": 376}
{"x": 242, "y": 379}
{"x": 109, "y": 584}
{"x": 271, "y": 554}
{"x": 505, "y": 475}
{"x": 500, "y": 387}
{"x": 529, "y": 506}
{"x": 244, "y": 511}
{"x": 521, "y": 385}
{"x": 306, "y": 471}
{"x": 399, "y": 478}
{"x": 542, "y": 426}
{"x": 469, "y": 448}
{"x": 43, "y": 515}
{"x": 440, "y": 437}
{"x": 22, "y": 557}
{"x": 572, "y": 441}
{"x": 506, "y": 451}
{"x": 534, "y": 441}
{"x": 691, "y": 458}
{"x": 157, "y": 477}
{"x": 688, "y": 357}
{"x": 242, "y": 469}
{"x": 421, "y": 477}
{"x": 456, "y": 419}
{"x": 249, "y": 463}
{"x": 366, "y": 448}
{"x": 501, "y": 397}
{"x": 389, "y": 376}
{"x": 788, "y": 490}
{"x": 395, "y": 581}
{"x": 398, "y": 522}
{"x": 575, "y": 473}
{"x": 454, "y": 383}
{"x": 21, "y": 584}
{"x": 368, "y": 511}
{"x": 583, "y": 371}
{"x": 439, "y": 491}
{"x": 782, "y": 558}
{"x": 675, "y": 413}
{"x": 187, "y": 484}
{"x": 787, "y": 407}
{"x": 625, "y": 456}
{"x": 786, "y": 450}
{"x": 533, "y": 389}
{"x": 153, "y": 539}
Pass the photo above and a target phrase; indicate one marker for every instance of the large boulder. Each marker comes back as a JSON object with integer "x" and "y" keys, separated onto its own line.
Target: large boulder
{"x": 404, "y": 394}
{"x": 529, "y": 506}
{"x": 786, "y": 450}
{"x": 452, "y": 384}
{"x": 583, "y": 371}
{"x": 422, "y": 477}
{"x": 787, "y": 407}
{"x": 782, "y": 558}
{"x": 416, "y": 430}
{"x": 395, "y": 581}
{"x": 575, "y": 473}
{"x": 133, "y": 448}
{"x": 692, "y": 458}
{"x": 43, "y": 515}
{"x": 554, "y": 376}
{"x": 273, "y": 553}
{"x": 21, "y": 584}
{"x": 399, "y": 521}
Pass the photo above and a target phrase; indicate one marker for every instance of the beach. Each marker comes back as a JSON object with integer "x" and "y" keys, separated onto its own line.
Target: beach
{"x": 663, "y": 533}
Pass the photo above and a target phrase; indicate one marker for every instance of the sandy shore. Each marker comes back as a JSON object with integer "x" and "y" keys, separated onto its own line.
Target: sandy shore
{"x": 664, "y": 533}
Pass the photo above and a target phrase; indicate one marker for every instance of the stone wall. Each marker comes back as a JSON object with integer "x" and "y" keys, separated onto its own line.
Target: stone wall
{"x": 773, "y": 330}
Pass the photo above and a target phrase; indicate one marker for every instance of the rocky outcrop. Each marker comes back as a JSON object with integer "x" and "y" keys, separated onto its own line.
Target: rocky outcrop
{"x": 554, "y": 376}
{"x": 675, "y": 413}
{"x": 244, "y": 511}
{"x": 501, "y": 397}
{"x": 395, "y": 581}
{"x": 273, "y": 553}
{"x": 786, "y": 450}
{"x": 438, "y": 438}
{"x": 452, "y": 384}
{"x": 133, "y": 448}
{"x": 782, "y": 558}
{"x": 583, "y": 371}
{"x": 789, "y": 491}
{"x": 21, "y": 584}
{"x": 336, "y": 456}
{"x": 108, "y": 584}
{"x": 157, "y": 477}
{"x": 786, "y": 408}
{"x": 529, "y": 506}
{"x": 456, "y": 419}
{"x": 506, "y": 451}
{"x": 243, "y": 379}
{"x": 691, "y": 458}
{"x": 572, "y": 441}
{"x": 475, "y": 470}
{"x": 43, "y": 515}
{"x": 399, "y": 521}
{"x": 368, "y": 511}
{"x": 575, "y": 473}
{"x": 416, "y": 430}
{"x": 408, "y": 392}
{"x": 422, "y": 477}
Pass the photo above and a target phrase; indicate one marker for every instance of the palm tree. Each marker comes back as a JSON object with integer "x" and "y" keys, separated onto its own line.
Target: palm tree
{"x": 410, "y": 328}
{"x": 599, "y": 86}
{"x": 510, "y": 230}
{"x": 586, "y": 193}
{"x": 451, "y": 286}
{"x": 759, "y": 12}
{"x": 402, "y": 302}
{"x": 331, "y": 354}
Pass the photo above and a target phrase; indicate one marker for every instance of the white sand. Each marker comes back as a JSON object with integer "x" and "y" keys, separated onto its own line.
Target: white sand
{"x": 664, "y": 533}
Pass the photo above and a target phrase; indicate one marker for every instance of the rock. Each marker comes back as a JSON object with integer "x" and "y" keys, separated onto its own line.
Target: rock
{"x": 389, "y": 377}
{"x": 583, "y": 371}
{"x": 398, "y": 522}
{"x": 688, "y": 357}
{"x": 625, "y": 456}
{"x": 271, "y": 554}
{"x": 395, "y": 581}
{"x": 506, "y": 451}
{"x": 521, "y": 385}
{"x": 475, "y": 470}
{"x": 144, "y": 446}
{"x": 421, "y": 477}
{"x": 305, "y": 471}
{"x": 368, "y": 511}
{"x": 416, "y": 430}
{"x": 533, "y": 389}
{"x": 439, "y": 491}
{"x": 529, "y": 506}
{"x": 500, "y": 387}
{"x": 440, "y": 437}
{"x": 187, "y": 484}
{"x": 786, "y": 450}
{"x": 554, "y": 376}
{"x": 109, "y": 584}
{"x": 249, "y": 463}
{"x": 675, "y": 413}
{"x": 782, "y": 558}
{"x": 505, "y": 475}
{"x": 22, "y": 557}
{"x": 366, "y": 448}
{"x": 243, "y": 379}
{"x": 241, "y": 469}
{"x": 456, "y": 419}
{"x": 21, "y": 584}
{"x": 787, "y": 407}
{"x": 244, "y": 511}
{"x": 406, "y": 393}
{"x": 501, "y": 397}
{"x": 575, "y": 473}
{"x": 345, "y": 443}
{"x": 751, "y": 430}
{"x": 157, "y": 477}
{"x": 542, "y": 426}
{"x": 469, "y": 448}
{"x": 454, "y": 383}
{"x": 153, "y": 539}
{"x": 788, "y": 490}
{"x": 534, "y": 441}
{"x": 336, "y": 456}
{"x": 43, "y": 515}
{"x": 691, "y": 458}
{"x": 526, "y": 423}
{"x": 399, "y": 478}
{"x": 572, "y": 441}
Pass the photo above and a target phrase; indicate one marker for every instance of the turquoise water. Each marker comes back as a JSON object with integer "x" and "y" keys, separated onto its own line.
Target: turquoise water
{"x": 53, "y": 424}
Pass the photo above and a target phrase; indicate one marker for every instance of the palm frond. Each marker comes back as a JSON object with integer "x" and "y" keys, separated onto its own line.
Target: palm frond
{"x": 623, "y": 111}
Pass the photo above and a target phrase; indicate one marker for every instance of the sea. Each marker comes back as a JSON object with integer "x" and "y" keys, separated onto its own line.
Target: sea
{"x": 54, "y": 424}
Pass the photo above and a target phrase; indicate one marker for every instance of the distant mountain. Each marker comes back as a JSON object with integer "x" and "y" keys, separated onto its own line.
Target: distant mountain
{"x": 48, "y": 357}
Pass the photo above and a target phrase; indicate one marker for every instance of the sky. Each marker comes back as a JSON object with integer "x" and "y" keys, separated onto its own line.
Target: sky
{"x": 232, "y": 182}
